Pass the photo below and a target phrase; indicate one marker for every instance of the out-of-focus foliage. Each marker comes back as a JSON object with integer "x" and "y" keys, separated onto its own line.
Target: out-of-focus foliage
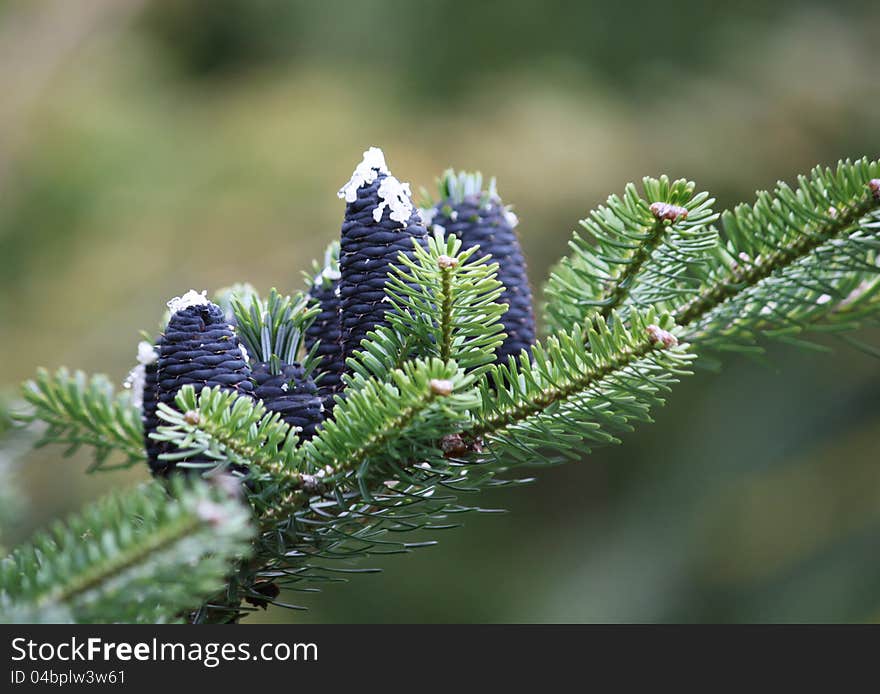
{"x": 129, "y": 177}
{"x": 143, "y": 556}
{"x": 612, "y": 42}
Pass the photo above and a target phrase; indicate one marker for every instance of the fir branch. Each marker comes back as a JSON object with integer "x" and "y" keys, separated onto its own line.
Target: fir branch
{"x": 244, "y": 292}
{"x": 579, "y": 388}
{"x": 399, "y": 420}
{"x": 478, "y": 217}
{"x": 641, "y": 251}
{"x": 443, "y": 303}
{"x": 224, "y": 430}
{"x": 80, "y": 410}
{"x": 272, "y": 329}
{"x": 326, "y": 273}
{"x": 426, "y": 416}
{"x": 338, "y": 495}
{"x": 456, "y": 187}
{"x": 138, "y": 557}
{"x": 447, "y": 265}
{"x": 382, "y": 424}
{"x": 791, "y": 260}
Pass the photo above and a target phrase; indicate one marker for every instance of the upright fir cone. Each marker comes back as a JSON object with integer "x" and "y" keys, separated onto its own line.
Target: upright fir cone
{"x": 199, "y": 348}
{"x": 479, "y": 218}
{"x": 292, "y": 393}
{"x": 143, "y": 382}
{"x": 151, "y": 399}
{"x": 380, "y": 223}
{"x": 326, "y": 328}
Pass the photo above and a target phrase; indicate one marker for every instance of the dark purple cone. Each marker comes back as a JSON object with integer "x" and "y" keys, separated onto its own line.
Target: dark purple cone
{"x": 327, "y": 329}
{"x": 292, "y": 394}
{"x": 199, "y": 348}
{"x": 484, "y": 221}
{"x": 148, "y": 411}
{"x": 368, "y": 249}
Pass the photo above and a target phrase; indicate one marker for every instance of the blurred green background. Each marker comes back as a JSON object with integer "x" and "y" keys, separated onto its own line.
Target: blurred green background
{"x": 150, "y": 147}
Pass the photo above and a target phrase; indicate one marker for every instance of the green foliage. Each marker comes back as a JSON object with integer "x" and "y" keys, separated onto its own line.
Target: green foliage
{"x": 142, "y": 556}
{"x": 797, "y": 259}
{"x": 324, "y": 272}
{"x": 375, "y": 468}
{"x": 272, "y": 329}
{"x": 13, "y": 446}
{"x": 387, "y": 423}
{"x": 642, "y": 251}
{"x": 458, "y": 186}
{"x": 442, "y": 304}
{"x": 580, "y": 389}
{"x": 244, "y": 292}
{"x": 222, "y": 427}
{"x": 427, "y": 417}
{"x": 81, "y": 410}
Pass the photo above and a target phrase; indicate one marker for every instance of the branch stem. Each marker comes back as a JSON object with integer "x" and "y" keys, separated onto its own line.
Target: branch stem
{"x": 296, "y": 498}
{"x": 516, "y": 414}
{"x": 742, "y": 278}
{"x": 102, "y": 572}
{"x": 446, "y": 314}
{"x": 623, "y": 283}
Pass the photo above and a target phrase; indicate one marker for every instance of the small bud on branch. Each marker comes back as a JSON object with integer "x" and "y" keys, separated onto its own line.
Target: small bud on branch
{"x": 666, "y": 212}
{"x": 441, "y": 386}
{"x": 444, "y": 262}
{"x": 659, "y": 335}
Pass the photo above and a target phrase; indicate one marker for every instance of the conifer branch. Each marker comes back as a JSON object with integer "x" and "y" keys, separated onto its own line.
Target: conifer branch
{"x": 443, "y": 303}
{"x": 220, "y": 429}
{"x": 478, "y": 217}
{"x": 138, "y": 557}
{"x": 381, "y": 424}
{"x": 399, "y": 420}
{"x": 791, "y": 260}
{"x": 622, "y": 284}
{"x": 640, "y": 251}
{"x": 580, "y": 387}
{"x": 80, "y": 410}
{"x": 425, "y": 414}
{"x": 272, "y": 329}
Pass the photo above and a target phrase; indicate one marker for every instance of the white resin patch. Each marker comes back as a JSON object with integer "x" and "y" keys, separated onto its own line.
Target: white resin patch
{"x": 191, "y": 298}
{"x": 147, "y": 353}
{"x": 427, "y": 214}
{"x": 511, "y": 218}
{"x": 135, "y": 382}
{"x": 244, "y": 353}
{"x": 328, "y": 273}
{"x": 393, "y": 194}
{"x": 397, "y": 197}
{"x": 137, "y": 377}
{"x": 366, "y": 172}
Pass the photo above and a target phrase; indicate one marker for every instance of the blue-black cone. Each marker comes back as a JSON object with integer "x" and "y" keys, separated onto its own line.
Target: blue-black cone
{"x": 326, "y": 330}
{"x": 291, "y": 393}
{"x": 148, "y": 411}
{"x": 380, "y": 223}
{"x": 478, "y": 217}
{"x": 199, "y": 348}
